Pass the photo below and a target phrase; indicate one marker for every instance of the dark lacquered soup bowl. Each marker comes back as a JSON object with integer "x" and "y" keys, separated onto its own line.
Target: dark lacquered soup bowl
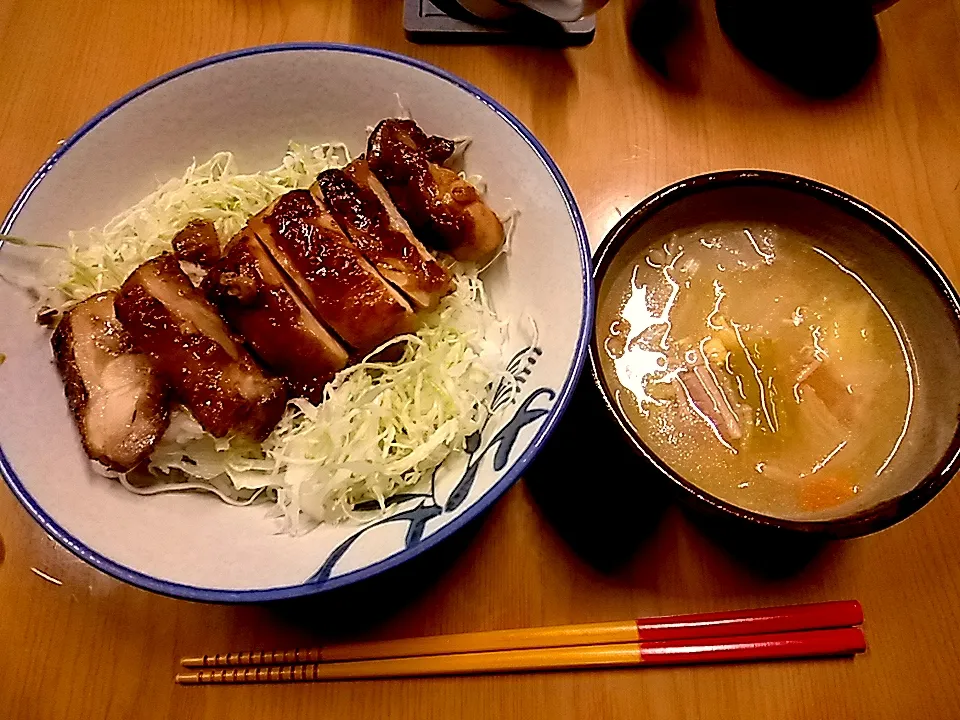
{"x": 921, "y": 302}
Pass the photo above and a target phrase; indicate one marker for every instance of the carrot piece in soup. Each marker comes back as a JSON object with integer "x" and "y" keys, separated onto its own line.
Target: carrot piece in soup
{"x": 821, "y": 492}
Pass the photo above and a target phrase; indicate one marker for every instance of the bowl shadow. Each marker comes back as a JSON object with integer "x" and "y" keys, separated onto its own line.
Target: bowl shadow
{"x": 603, "y": 499}
{"x": 358, "y": 609}
{"x": 606, "y": 502}
{"x": 668, "y": 37}
{"x": 820, "y": 49}
{"x": 770, "y": 554}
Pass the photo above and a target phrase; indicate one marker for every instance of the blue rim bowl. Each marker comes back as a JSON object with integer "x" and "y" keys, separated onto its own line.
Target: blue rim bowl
{"x": 191, "y": 592}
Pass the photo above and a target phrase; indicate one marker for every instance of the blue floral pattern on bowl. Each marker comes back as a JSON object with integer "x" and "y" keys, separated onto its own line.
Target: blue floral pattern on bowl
{"x": 419, "y": 509}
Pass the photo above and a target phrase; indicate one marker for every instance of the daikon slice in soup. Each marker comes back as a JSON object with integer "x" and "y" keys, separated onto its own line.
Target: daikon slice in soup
{"x": 757, "y": 366}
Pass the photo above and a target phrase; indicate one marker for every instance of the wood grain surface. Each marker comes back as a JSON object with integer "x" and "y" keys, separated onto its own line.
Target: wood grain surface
{"x": 577, "y": 540}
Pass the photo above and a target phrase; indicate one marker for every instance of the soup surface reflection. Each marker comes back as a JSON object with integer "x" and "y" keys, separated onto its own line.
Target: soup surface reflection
{"x": 757, "y": 366}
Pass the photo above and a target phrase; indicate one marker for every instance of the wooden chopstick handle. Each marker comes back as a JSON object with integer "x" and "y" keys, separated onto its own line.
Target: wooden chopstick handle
{"x": 489, "y": 641}
{"x": 426, "y": 666}
{"x": 814, "y": 643}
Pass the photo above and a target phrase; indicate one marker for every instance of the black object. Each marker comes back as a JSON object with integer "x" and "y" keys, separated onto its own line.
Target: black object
{"x": 444, "y": 21}
{"x": 659, "y": 29}
{"x": 821, "y": 48}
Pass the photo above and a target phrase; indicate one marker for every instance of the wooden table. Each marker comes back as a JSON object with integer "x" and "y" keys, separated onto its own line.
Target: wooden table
{"x": 92, "y": 647}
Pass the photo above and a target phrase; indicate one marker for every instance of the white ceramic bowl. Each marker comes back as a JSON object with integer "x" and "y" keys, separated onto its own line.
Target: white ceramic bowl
{"x": 253, "y": 102}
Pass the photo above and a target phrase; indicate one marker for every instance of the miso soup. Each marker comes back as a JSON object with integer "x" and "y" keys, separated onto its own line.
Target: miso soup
{"x": 757, "y": 366}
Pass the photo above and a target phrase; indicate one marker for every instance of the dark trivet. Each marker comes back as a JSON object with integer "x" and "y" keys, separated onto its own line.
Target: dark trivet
{"x": 443, "y": 21}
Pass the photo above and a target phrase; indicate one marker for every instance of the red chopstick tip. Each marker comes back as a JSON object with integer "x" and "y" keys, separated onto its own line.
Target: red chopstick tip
{"x": 851, "y": 610}
{"x": 858, "y": 609}
{"x": 789, "y": 618}
{"x": 835, "y": 642}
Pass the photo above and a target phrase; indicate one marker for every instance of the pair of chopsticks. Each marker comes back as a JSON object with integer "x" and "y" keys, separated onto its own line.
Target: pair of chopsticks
{"x": 799, "y": 631}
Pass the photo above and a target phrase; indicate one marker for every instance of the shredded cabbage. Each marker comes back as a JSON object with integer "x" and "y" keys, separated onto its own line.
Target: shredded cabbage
{"x": 382, "y": 427}
{"x": 99, "y": 260}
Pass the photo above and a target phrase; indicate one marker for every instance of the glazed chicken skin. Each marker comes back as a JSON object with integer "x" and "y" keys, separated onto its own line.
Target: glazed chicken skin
{"x": 208, "y": 368}
{"x": 258, "y": 302}
{"x": 362, "y": 206}
{"x": 197, "y": 243}
{"x": 118, "y": 399}
{"x": 445, "y": 211}
{"x": 340, "y": 286}
{"x": 317, "y": 280}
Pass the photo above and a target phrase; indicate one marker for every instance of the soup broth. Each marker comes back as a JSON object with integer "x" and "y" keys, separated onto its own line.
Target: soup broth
{"x": 757, "y": 366}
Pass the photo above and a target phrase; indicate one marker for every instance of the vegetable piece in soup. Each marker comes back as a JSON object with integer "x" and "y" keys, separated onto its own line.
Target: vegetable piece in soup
{"x": 758, "y": 367}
